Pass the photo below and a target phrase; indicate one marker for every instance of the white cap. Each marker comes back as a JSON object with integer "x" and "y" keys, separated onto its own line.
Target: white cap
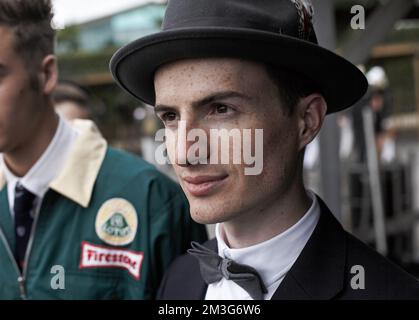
{"x": 377, "y": 78}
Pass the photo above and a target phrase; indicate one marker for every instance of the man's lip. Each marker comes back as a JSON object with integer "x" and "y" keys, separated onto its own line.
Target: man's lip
{"x": 201, "y": 186}
{"x": 204, "y": 179}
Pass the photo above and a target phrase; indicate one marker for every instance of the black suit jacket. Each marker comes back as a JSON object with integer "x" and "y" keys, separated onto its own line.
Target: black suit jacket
{"x": 322, "y": 271}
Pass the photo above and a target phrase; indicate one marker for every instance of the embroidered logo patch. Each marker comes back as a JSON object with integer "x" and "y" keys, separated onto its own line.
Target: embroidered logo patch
{"x": 94, "y": 256}
{"x": 116, "y": 222}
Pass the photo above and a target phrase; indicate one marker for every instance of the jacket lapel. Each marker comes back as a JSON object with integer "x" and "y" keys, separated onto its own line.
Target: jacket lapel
{"x": 318, "y": 272}
{"x": 198, "y": 289}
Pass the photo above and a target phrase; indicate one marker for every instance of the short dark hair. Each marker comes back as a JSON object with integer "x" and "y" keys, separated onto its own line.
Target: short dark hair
{"x": 31, "y": 22}
{"x": 292, "y": 86}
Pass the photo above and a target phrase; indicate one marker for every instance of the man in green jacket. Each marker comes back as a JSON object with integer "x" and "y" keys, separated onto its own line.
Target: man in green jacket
{"x": 78, "y": 219}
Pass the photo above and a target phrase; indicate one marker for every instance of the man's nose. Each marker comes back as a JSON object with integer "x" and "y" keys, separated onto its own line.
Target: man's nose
{"x": 192, "y": 145}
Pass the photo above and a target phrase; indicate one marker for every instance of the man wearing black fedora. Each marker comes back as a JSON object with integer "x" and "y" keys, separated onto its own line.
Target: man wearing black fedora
{"x": 245, "y": 64}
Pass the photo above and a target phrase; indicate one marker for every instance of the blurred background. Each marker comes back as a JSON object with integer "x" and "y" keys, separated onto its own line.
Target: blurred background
{"x": 365, "y": 163}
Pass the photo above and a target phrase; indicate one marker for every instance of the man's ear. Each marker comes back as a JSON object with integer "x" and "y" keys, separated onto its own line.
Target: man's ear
{"x": 311, "y": 112}
{"x": 49, "y": 74}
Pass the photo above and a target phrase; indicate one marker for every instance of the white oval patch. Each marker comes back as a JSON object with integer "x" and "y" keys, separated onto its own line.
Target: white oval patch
{"x": 116, "y": 222}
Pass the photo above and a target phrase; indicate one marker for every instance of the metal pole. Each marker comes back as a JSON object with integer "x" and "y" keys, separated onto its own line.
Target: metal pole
{"x": 375, "y": 183}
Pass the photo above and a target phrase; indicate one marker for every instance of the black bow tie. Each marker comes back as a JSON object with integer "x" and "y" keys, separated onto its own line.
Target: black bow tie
{"x": 214, "y": 268}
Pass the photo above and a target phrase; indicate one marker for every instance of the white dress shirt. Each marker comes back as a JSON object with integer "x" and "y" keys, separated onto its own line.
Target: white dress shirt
{"x": 272, "y": 258}
{"x": 46, "y": 169}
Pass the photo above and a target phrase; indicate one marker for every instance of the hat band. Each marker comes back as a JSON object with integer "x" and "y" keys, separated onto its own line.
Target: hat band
{"x": 228, "y": 22}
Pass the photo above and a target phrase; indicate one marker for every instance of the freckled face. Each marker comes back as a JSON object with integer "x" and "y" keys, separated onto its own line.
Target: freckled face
{"x": 228, "y": 94}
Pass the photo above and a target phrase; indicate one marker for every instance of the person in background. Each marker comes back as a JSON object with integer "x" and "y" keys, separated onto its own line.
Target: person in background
{"x": 72, "y": 101}
{"x": 381, "y": 104}
{"x": 380, "y": 101}
{"x": 78, "y": 219}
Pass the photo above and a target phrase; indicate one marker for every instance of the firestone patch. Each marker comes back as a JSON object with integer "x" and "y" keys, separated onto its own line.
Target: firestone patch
{"x": 94, "y": 256}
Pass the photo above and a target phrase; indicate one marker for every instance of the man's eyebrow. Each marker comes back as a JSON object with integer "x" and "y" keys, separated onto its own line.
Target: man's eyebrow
{"x": 207, "y": 100}
{"x": 162, "y": 108}
{"x": 220, "y": 96}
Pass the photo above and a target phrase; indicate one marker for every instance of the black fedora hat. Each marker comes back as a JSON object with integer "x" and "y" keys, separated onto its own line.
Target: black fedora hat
{"x": 278, "y": 32}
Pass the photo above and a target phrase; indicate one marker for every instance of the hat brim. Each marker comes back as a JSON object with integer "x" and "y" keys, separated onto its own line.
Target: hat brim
{"x": 134, "y": 65}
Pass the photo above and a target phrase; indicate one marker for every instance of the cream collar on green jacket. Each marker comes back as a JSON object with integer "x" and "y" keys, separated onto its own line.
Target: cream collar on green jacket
{"x": 79, "y": 173}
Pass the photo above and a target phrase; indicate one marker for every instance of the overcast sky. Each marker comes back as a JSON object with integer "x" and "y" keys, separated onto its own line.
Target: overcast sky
{"x": 73, "y": 11}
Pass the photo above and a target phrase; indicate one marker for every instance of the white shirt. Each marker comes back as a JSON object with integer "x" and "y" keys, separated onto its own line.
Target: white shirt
{"x": 272, "y": 258}
{"x": 46, "y": 169}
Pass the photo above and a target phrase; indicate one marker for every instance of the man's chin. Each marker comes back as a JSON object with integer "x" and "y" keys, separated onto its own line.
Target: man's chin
{"x": 213, "y": 216}
{"x": 203, "y": 219}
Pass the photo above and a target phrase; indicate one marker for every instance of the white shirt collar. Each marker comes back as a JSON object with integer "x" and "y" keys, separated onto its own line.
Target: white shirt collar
{"x": 274, "y": 257}
{"x": 48, "y": 166}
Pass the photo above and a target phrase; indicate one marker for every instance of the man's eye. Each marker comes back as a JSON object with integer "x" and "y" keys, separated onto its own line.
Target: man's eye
{"x": 222, "y": 108}
{"x": 168, "y": 117}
